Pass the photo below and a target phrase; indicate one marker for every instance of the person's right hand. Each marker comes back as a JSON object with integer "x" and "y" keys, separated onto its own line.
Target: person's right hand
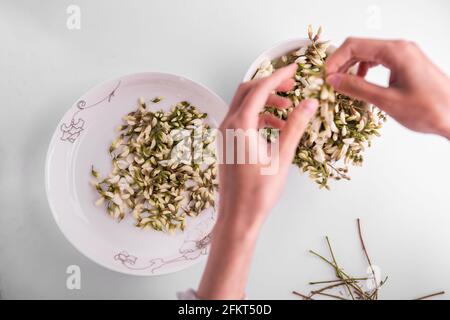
{"x": 418, "y": 95}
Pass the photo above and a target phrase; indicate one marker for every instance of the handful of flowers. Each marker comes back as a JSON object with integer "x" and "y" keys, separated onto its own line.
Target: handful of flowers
{"x": 342, "y": 128}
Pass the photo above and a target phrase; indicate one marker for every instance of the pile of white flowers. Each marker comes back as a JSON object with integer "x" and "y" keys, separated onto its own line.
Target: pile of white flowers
{"x": 156, "y": 177}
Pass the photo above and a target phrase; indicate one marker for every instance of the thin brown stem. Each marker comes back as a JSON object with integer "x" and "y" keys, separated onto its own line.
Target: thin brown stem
{"x": 431, "y": 295}
{"x": 314, "y": 292}
{"x": 340, "y": 174}
{"x": 323, "y": 258}
{"x": 337, "y": 280}
{"x": 331, "y": 296}
{"x": 337, "y": 269}
{"x": 302, "y": 295}
{"x": 327, "y": 287}
{"x": 353, "y": 283}
{"x": 367, "y": 257}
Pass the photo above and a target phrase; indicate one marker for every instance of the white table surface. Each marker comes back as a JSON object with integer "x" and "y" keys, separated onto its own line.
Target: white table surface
{"x": 401, "y": 194}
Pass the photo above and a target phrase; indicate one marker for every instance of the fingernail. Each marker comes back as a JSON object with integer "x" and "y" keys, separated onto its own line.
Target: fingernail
{"x": 334, "y": 80}
{"x": 310, "y": 105}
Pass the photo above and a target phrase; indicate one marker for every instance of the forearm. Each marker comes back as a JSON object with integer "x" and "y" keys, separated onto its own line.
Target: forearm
{"x": 229, "y": 261}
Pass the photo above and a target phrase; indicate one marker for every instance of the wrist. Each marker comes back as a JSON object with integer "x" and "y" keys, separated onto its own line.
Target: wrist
{"x": 239, "y": 224}
{"x": 232, "y": 247}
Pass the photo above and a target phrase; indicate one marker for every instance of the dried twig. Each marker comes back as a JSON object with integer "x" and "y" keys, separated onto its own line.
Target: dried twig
{"x": 367, "y": 257}
{"x": 338, "y": 271}
{"x": 431, "y": 295}
{"x": 331, "y": 296}
{"x": 302, "y": 295}
{"x": 336, "y": 280}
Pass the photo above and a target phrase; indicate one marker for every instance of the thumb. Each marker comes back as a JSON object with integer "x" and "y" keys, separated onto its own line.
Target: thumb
{"x": 359, "y": 88}
{"x": 295, "y": 125}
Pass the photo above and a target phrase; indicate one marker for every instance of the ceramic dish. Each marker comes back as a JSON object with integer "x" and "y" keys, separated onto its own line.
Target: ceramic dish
{"x": 81, "y": 139}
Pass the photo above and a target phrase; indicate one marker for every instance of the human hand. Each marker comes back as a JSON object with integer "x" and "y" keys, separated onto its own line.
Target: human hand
{"x": 418, "y": 95}
{"x": 246, "y": 193}
{"x": 253, "y": 185}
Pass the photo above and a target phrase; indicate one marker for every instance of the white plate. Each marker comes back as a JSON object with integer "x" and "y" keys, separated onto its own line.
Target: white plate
{"x": 82, "y": 139}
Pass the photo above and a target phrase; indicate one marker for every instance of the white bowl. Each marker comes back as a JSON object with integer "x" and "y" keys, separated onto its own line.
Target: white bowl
{"x": 278, "y": 51}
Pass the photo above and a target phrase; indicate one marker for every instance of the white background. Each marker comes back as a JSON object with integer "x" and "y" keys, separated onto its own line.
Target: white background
{"x": 401, "y": 194}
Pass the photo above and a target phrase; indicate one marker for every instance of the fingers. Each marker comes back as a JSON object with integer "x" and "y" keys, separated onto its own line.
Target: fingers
{"x": 286, "y": 85}
{"x": 295, "y": 126}
{"x": 245, "y": 87}
{"x": 269, "y": 120}
{"x": 359, "y": 88}
{"x": 256, "y": 99}
{"x": 355, "y": 49}
{"x": 240, "y": 94}
{"x": 279, "y": 102}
